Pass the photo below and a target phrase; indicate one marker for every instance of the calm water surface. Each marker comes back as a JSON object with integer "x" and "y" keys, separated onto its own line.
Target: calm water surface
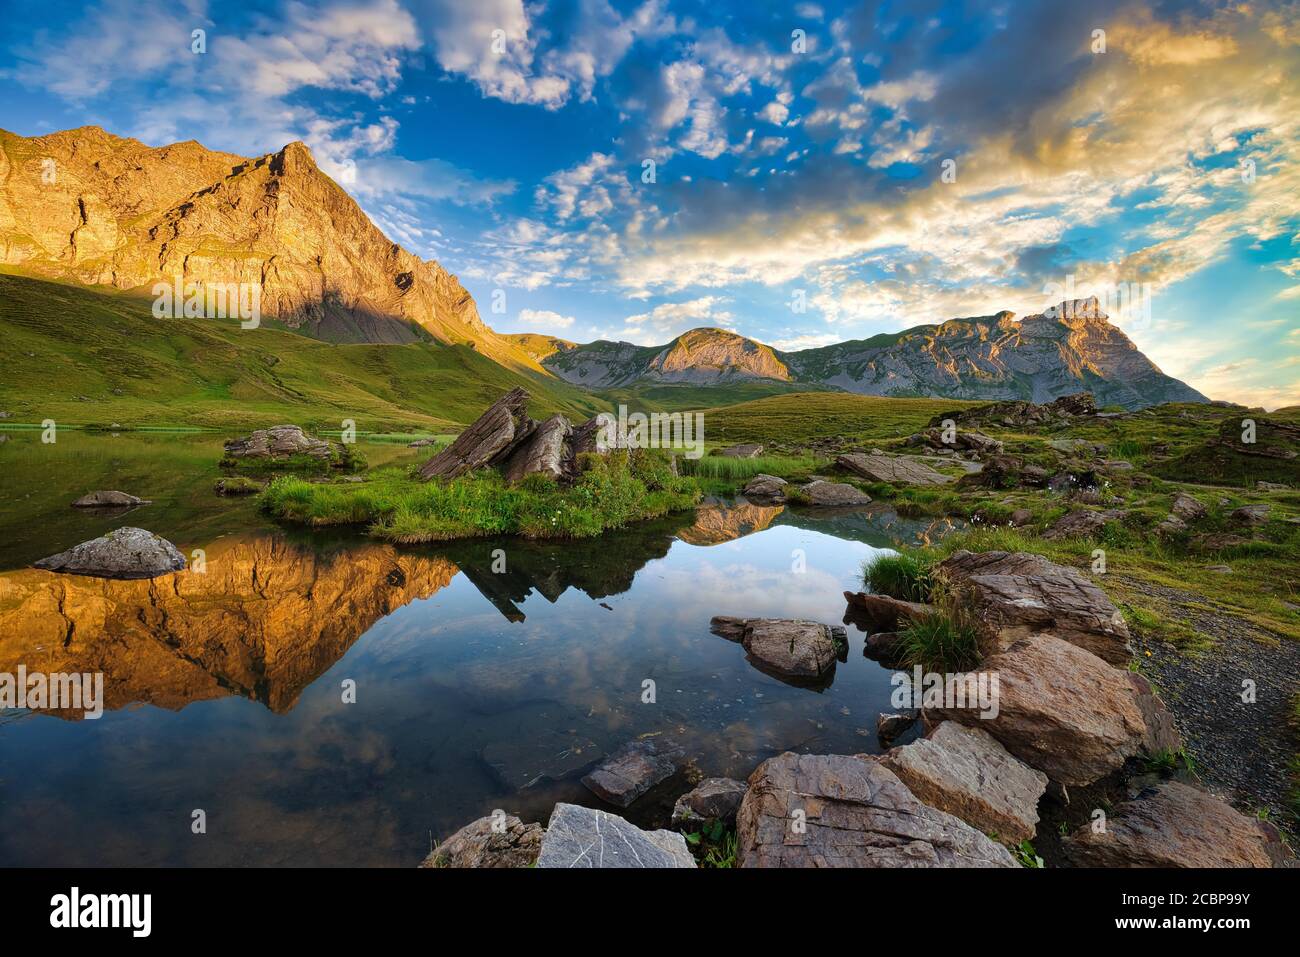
{"x": 474, "y": 690}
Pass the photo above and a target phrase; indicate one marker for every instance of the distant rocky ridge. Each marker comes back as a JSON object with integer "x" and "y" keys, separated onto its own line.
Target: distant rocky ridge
{"x": 88, "y": 206}
{"x": 1071, "y": 348}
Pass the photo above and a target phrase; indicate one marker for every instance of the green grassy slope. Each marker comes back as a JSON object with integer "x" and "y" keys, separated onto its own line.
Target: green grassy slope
{"x": 679, "y": 397}
{"x": 809, "y": 416}
{"x": 88, "y": 356}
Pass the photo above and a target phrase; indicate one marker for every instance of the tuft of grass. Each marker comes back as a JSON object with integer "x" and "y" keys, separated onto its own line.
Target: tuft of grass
{"x": 739, "y": 470}
{"x": 612, "y": 491}
{"x": 1167, "y": 761}
{"x": 903, "y": 575}
{"x": 945, "y": 641}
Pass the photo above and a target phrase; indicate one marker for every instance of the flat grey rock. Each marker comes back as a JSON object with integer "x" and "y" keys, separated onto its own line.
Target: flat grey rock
{"x": 124, "y": 553}
{"x": 746, "y": 451}
{"x": 587, "y": 837}
{"x": 834, "y": 493}
{"x": 894, "y": 469}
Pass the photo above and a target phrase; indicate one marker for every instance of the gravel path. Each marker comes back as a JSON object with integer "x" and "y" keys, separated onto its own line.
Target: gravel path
{"x": 1242, "y": 750}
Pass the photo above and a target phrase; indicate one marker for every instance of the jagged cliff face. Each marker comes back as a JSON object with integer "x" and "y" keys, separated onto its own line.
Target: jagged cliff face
{"x": 264, "y": 621}
{"x": 1041, "y": 357}
{"x": 95, "y": 208}
{"x": 1073, "y": 348}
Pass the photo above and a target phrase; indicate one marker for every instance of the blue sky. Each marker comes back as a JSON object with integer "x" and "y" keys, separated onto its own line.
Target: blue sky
{"x": 799, "y": 152}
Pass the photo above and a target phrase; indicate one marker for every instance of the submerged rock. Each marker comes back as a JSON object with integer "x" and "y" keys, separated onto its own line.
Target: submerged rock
{"x": 713, "y": 799}
{"x": 493, "y": 841}
{"x": 833, "y": 493}
{"x": 108, "y": 499}
{"x": 588, "y": 837}
{"x": 889, "y": 725}
{"x": 1066, "y": 712}
{"x": 966, "y": 772}
{"x": 631, "y": 771}
{"x": 805, "y": 810}
{"x": 124, "y": 553}
{"x": 1176, "y": 825}
{"x": 894, "y": 469}
{"x": 1017, "y": 594}
{"x": 791, "y": 649}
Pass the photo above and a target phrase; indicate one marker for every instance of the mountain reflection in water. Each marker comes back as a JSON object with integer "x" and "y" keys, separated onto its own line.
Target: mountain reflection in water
{"x": 463, "y": 705}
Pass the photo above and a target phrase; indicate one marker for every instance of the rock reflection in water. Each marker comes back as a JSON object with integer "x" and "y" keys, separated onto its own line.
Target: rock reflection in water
{"x": 264, "y": 620}
{"x": 475, "y": 691}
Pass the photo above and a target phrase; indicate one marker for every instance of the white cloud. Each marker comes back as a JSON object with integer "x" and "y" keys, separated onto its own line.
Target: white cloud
{"x": 545, "y": 319}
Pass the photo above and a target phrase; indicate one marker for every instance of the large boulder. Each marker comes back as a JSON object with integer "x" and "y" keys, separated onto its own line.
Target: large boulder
{"x": 966, "y": 772}
{"x": 792, "y": 649}
{"x": 545, "y": 451}
{"x": 108, "y": 499}
{"x": 124, "y": 553}
{"x": 492, "y": 435}
{"x": 1066, "y": 712}
{"x": 746, "y": 451}
{"x": 894, "y": 469}
{"x": 713, "y": 799}
{"x": 278, "y": 442}
{"x": 1176, "y": 825}
{"x": 493, "y": 841}
{"x": 833, "y": 493}
{"x": 1017, "y": 594}
{"x": 587, "y": 837}
{"x": 805, "y": 810}
{"x": 631, "y": 771}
